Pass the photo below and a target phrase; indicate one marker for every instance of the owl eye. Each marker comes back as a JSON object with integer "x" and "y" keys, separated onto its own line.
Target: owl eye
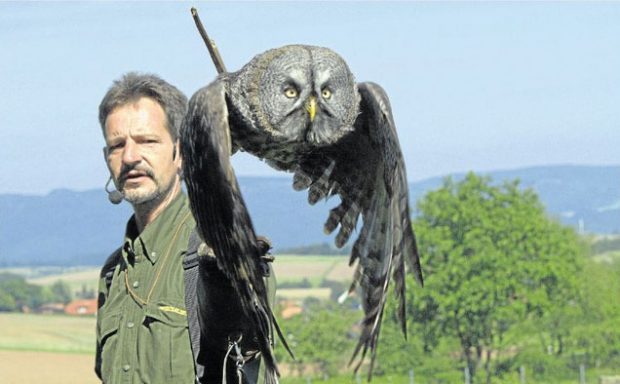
{"x": 290, "y": 92}
{"x": 326, "y": 93}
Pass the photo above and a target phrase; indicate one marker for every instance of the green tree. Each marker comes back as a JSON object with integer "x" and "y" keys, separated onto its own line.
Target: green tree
{"x": 7, "y": 302}
{"x": 322, "y": 338}
{"x": 491, "y": 257}
{"x": 23, "y": 294}
{"x": 61, "y": 292}
{"x": 596, "y": 333}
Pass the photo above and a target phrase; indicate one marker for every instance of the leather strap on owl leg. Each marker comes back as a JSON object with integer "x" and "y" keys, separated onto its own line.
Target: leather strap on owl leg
{"x": 238, "y": 357}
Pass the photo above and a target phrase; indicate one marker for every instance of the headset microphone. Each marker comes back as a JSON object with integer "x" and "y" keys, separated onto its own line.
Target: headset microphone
{"x": 115, "y": 196}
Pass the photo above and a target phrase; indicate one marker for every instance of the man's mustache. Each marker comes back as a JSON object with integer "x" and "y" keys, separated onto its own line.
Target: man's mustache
{"x": 126, "y": 169}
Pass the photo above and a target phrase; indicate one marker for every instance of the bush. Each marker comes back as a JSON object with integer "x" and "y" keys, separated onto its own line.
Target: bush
{"x": 542, "y": 365}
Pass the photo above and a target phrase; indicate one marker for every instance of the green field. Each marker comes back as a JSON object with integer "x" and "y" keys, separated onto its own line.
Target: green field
{"x": 77, "y": 279}
{"x": 70, "y": 340}
{"x": 289, "y": 269}
{"x": 292, "y": 268}
{"x": 53, "y": 333}
{"x": 607, "y": 257}
{"x": 64, "y": 345}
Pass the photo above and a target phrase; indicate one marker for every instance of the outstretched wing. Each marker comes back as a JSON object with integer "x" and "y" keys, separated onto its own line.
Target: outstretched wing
{"x": 221, "y": 215}
{"x": 366, "y": 169}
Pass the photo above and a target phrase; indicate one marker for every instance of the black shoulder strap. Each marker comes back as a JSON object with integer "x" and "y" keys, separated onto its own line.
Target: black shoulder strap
{"x": 107, "y": 272}
{"x": 190, "y": 275}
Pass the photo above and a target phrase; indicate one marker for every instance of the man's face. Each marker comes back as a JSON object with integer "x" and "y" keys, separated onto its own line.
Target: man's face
{"x": 139, "y": 151}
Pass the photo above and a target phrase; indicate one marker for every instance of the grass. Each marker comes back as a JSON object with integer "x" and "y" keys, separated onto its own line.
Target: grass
{"x": 25, "y": 367}
{"x": 76, "y": 277}
{"x": 291, "y": 268}
{"x": 80, "y": 277}
{"x": 74, "y": 336}
{"x": 66, "y": 336}
{"x": 51, "y": 333}
{"x": 591, "y": 378}
{"x": 60, "y": 333}
{"x": 288, "y": 268}
{"x": 607, "y": 257}
{"x": 302, "y": 293}
{"x": 43, "y": 271}
{"x": 77, "y": 280}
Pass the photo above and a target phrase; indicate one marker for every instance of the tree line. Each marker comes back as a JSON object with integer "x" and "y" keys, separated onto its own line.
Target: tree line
{"x": 16, "y": 294}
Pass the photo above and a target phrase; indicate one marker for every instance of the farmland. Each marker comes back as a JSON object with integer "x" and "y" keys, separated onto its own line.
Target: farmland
{"x": 305, "y": 273}
{"x": 76, "y": 279}
{"x": 62, "y": 350}
{"x": 53, "y": 333}
{"x": 62, "y": 347}
{"x": 55, "y": 367}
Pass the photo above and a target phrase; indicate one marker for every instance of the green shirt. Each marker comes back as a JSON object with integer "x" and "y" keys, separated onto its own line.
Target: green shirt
{"x": 142, "y": 329}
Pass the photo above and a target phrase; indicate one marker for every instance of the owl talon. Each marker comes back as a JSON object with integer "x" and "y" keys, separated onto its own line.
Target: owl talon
{"x": 330, "y": 224}
{"x": 301, "y": 181}
{"x": 315, "y": 194}
{"x": 342, "y": 237}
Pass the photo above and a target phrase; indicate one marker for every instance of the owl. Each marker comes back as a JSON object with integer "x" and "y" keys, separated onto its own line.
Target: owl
{"x": 299, "y": 109}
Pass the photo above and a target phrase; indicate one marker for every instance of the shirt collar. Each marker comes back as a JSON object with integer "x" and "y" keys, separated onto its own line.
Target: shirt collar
{"x": 156, "y": 236}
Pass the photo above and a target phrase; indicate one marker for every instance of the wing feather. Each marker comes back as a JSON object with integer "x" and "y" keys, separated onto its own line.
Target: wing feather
{"x": 220, "y": 212}
{"x": 366, "y": 169}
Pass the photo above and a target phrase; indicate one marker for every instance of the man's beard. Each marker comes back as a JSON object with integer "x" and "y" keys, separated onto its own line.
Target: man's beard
{"x": 141, "y": 196}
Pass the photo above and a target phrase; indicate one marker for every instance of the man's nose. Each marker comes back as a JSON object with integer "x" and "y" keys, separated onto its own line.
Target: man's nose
{"x": 131, "y": 153}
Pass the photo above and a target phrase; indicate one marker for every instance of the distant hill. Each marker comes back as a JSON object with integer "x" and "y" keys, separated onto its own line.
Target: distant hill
{"x": 570, "y": 193}
{"x": 81, "y": 228}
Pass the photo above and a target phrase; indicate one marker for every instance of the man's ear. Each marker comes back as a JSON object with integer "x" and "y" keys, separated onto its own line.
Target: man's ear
{"x": 176, "y": 156}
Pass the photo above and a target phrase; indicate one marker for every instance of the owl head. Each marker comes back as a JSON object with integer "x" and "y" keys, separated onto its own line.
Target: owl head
{"x": 299, "y": 93}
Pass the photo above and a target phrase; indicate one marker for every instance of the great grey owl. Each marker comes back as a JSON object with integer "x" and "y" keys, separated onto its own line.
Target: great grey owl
{"x": 298, "y": 108}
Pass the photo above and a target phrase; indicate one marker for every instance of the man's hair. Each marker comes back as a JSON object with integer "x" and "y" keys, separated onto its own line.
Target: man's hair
{"x": 132, "y": 86}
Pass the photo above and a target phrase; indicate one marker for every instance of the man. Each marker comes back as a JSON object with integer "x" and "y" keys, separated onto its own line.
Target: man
{"x": 142, "y": 334}
{"x": 142, "y": 323}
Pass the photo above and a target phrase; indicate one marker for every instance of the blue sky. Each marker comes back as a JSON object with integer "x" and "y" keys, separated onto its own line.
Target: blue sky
{"x": 473, "y": 86}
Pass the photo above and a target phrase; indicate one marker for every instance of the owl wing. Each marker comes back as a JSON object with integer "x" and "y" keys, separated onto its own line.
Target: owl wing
{"x": 366, "y": 169}
{"x": 220, "y": 212}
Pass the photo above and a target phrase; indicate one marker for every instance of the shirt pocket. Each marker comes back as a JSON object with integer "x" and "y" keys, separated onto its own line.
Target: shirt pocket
{"x": 108, "y": 329}
{"x": 165, "y": 352}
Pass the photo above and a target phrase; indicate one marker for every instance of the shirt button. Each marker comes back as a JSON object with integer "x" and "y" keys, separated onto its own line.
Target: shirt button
{"x": 135, "y": 284}
{"x": 126, "y": 367}
{"x": 130, "y": 324}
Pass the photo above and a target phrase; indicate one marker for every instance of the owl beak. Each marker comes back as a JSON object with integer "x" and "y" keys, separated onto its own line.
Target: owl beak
{"x": 311, "y": 107}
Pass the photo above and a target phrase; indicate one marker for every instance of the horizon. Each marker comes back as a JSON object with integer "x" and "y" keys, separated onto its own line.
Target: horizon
{"x": 474, "y": 86}
{"x": 288, "y": 177}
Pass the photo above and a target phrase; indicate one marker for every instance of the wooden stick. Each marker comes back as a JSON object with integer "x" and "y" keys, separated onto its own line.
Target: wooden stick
{"x": 215, "y": 54}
